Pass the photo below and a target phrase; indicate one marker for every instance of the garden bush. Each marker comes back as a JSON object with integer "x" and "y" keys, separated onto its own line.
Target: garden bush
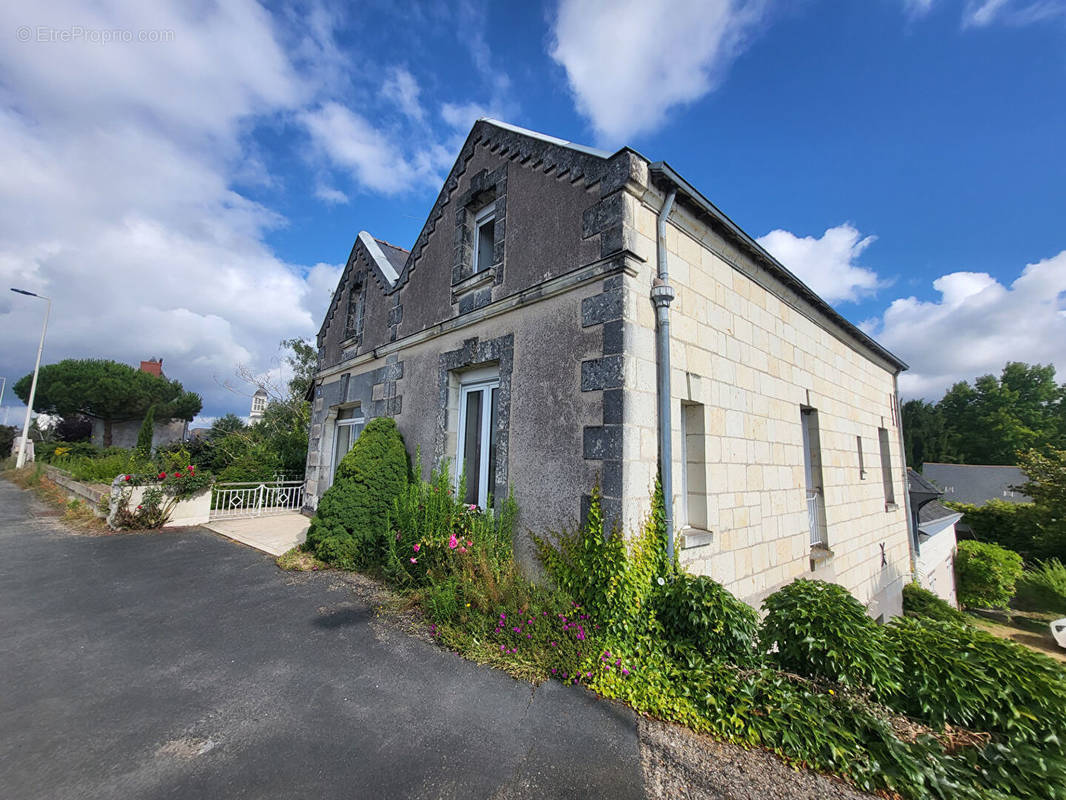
{"x": 1042, "y": 588}
{"x": 821, "y": 631}
{"x": 700, "y": 613}
{"x": 348, "y": 528}
{"x": 986, "y": 574}
{"x": 920, "y": 602}
{"x": 609, "y": 575}
{"x": 967, "y": 677}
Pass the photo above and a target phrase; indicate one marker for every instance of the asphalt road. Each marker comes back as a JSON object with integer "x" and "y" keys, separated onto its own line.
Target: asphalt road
{"x": 183, "y": 665}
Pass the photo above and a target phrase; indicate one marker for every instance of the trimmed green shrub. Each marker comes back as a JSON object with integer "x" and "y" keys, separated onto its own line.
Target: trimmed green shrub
{"x": 349, "y": 526}
{"x": 146, "y": 433}
{"x": 1042, "y": 588}
{"x": 821, "y": 631}
{"x": 986, "y": 574}
{"x": 920, "y": 602}
{"x": 698, "y": 612}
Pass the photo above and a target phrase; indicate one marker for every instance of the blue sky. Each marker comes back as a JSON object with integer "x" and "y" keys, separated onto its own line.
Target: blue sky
{"x": 194, "y": 195}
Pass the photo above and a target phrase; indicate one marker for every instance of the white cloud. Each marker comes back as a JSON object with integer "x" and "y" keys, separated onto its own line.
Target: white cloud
{"x": 117, "y": 163}
{"x": 977, "y": 325}
{"x": 630, "y": 63}
{"x": 826, "y": 264}
{"x": 402, "y": 89}
{"x": 917, "y": 8}
{"x": 330, "y": 195}
{"x": 374, "y": 158}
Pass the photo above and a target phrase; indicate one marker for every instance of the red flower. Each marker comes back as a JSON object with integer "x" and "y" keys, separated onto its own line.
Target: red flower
{"x": 127, "y": 477}
{"x": 161, "y": 475}
{"x": 190, "y": 467}
{"x": 177, "y": 474}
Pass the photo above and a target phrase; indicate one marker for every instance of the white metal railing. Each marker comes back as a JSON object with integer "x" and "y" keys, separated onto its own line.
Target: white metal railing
{"x": 816, "y": 517}
{"x": 253, "y": 499}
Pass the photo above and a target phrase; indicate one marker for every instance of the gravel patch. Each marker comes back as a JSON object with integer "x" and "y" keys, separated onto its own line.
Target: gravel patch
{"x": 681, "y": 765}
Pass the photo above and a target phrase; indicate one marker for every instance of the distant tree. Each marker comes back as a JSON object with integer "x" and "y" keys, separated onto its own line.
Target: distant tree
{"x": 74, "y": 428}
{"x": 147, "y": 433}
{"x": 7, "y": 439}
{"x": 228, "y": 424}
{"x": 107, "y": 390}
{"x": 991, "y": 420}
{"x": 925, "y": 437}
{"x": 303, "y": 360}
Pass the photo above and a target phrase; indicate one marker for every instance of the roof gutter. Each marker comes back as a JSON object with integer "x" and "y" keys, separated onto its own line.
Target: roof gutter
{"x": 662, "y": 294}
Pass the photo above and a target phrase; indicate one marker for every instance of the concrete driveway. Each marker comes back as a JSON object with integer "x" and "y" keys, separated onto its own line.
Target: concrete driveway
{"x": 182, "y": 665}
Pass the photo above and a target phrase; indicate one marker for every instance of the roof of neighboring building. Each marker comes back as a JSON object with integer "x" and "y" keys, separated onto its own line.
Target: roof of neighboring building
{"x": 933, "y": 511}
{"x": 976, "y": 483}
{"x": 397, "y": 256}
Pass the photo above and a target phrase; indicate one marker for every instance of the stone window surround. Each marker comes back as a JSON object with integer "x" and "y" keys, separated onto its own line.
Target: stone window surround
{"x": 473, "y": 354}
{"x": 355, "y": 313}
{"x": 485, "y": 187}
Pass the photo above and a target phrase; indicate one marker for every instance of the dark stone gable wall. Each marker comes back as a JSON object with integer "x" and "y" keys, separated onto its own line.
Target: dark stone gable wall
{"x": 559, "y": 253}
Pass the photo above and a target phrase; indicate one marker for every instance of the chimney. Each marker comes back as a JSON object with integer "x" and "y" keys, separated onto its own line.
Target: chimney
{"x": 153, "y": 367}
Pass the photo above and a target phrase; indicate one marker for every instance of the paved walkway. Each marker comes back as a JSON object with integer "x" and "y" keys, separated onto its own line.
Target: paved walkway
{"x": 174, "y": 665}
{"x": 273, "y": 533}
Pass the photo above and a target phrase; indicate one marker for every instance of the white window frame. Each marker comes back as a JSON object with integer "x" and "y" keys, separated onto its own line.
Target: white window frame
{"x": 357, "y": 418}
{"x": 484, "y": 216}
{"x": 479, "y": 380}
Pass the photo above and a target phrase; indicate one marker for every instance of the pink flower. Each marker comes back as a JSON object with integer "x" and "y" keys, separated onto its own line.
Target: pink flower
{"x": 417, "y": 547}
{"x": 469, "y": 543}
{"x": 462, "y": 549}
{"x": 453, "y": 542}
{"x": 414, "y": 560}
{"x": 189, "y": 467}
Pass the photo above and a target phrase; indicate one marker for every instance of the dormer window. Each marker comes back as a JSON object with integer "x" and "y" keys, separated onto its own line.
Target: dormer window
{"x": 484, "y": 238}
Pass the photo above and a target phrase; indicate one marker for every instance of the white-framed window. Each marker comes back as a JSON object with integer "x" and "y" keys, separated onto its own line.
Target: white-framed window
{"x": 812, "y": 470}
{"x": 259, "y": 403}
{"x": 349, "y": 425}
{"x": 475, "y": 457}
{"x": 484, "y": 238}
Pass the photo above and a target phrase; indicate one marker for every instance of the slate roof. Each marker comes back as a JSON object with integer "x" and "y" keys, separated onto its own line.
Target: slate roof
{"x": 933, "y": 511}
{"x": 976, "y": 483}
{"x": 397, "y": 256}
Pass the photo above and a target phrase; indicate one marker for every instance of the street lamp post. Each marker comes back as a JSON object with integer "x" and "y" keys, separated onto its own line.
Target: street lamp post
{"x": 21, "y": 459}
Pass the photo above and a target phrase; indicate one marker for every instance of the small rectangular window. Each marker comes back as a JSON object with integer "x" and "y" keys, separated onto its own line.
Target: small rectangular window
{"x": 862, "y": 461}
{"x": 694, "y": 473}
{"x": 812, "y": 468}
{"x": 886, "y": 466}
{"x": 484, "y": 238}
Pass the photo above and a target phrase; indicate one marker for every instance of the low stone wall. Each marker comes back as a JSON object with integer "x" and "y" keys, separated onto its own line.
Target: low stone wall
{"x": 195, "y": 510}
{"x": 78, "y": 490}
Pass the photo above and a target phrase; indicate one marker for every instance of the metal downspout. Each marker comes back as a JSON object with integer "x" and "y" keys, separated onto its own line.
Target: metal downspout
{"x": 662, "y": 294}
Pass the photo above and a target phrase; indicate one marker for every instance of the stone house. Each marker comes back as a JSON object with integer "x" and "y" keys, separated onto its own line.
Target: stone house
{"x": 568, "y": 314}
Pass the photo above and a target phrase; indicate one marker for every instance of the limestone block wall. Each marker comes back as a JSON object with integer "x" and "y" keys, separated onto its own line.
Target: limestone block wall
{"x": 753, "y": 356}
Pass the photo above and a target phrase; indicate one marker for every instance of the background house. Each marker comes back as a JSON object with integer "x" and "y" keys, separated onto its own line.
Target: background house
{"x": 124, "y": 433}
{"x": 977, "y": 483}
{"x": 936, "y": 539}
{"x": 517, "y": 339}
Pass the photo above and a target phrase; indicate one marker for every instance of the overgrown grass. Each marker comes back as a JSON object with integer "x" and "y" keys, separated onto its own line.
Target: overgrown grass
{"x": 296, "y": 560}
{"x": 75, "y": 512}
